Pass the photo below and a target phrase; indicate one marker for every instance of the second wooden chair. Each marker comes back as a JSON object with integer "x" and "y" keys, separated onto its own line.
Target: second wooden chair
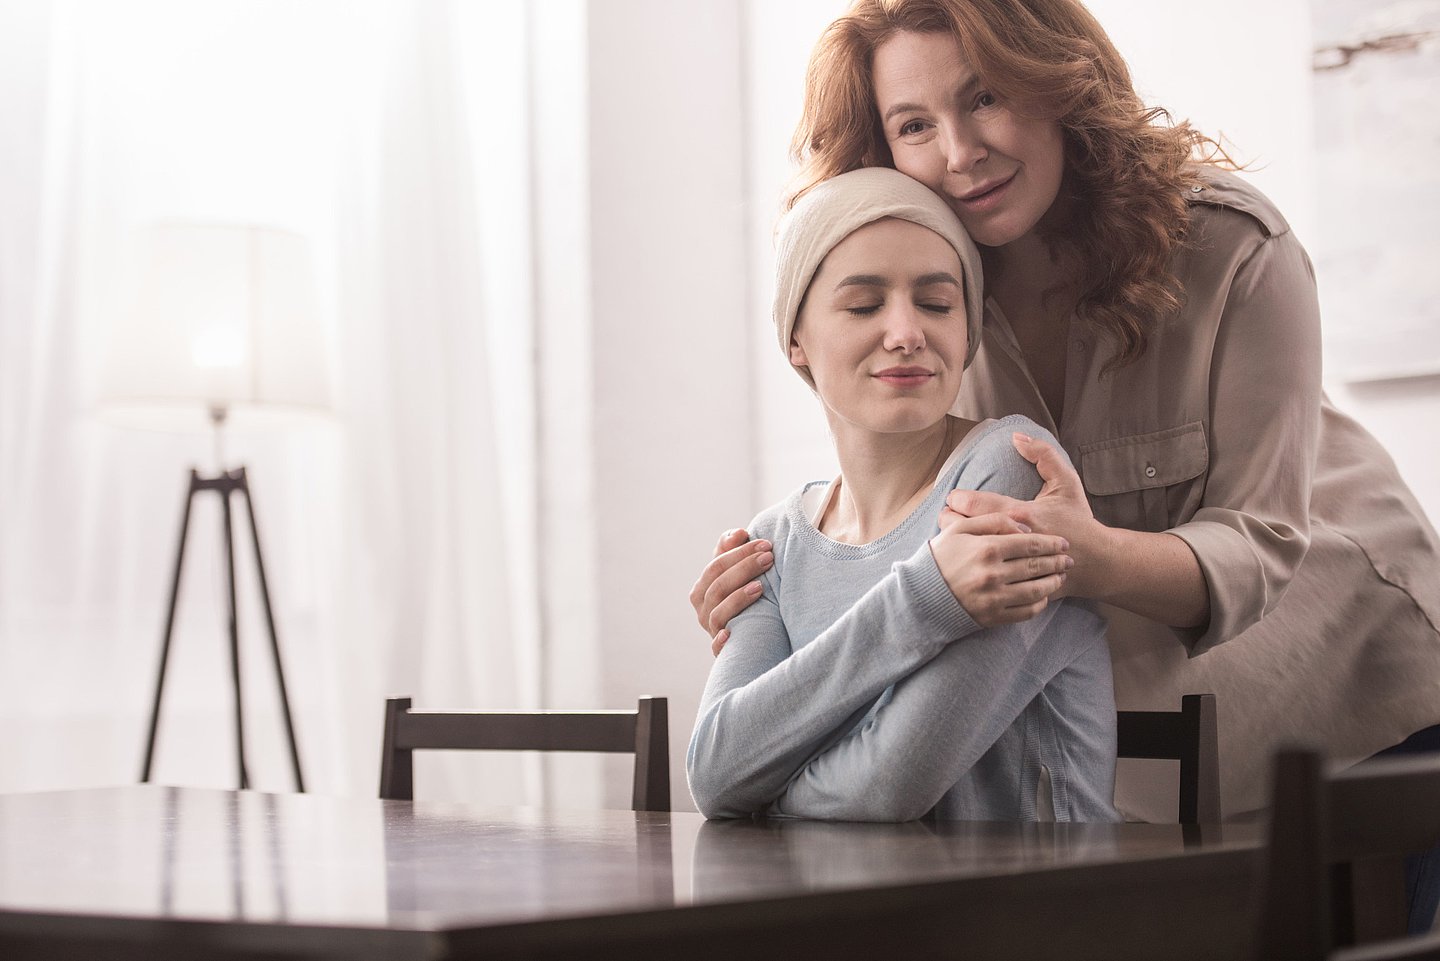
{"x": 643, "y": 732}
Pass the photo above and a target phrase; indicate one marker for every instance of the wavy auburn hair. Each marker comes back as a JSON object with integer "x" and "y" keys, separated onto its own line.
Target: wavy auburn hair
{"x": 1126, "y": 165}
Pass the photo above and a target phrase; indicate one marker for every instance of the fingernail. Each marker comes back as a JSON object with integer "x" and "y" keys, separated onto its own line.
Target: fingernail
{"x": 763, "y": 545}
{"x": 1069, "y": 562}
{"x": 752, "y": 588}
{"x": 1024, "y": 528}
{"x": 1064, "y": 544}
{"x": 766, "y": 560}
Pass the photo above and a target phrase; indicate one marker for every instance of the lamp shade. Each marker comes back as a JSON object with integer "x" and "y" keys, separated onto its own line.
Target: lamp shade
{"x": 224, "y": 316}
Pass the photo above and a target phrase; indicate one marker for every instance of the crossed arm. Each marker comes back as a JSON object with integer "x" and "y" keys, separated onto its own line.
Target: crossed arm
{"x": 882, "y": 712}
{"x": 876, "y": 718}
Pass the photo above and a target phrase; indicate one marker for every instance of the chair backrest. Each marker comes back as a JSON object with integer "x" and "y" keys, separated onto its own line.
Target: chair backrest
{"x": 1321, "y": 822}
{"x": 1190, "y": 736}
{"x": 643, "y": 732}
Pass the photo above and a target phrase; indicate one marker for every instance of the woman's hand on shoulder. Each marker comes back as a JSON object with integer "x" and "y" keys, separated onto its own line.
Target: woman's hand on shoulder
{"x": 1060, "y": 509}
{"x": 729, "y": 583}
{"x": 997, "y": 568}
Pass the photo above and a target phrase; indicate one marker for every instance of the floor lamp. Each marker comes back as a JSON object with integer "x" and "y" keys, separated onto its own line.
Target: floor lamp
{"x": 223, "y": 319}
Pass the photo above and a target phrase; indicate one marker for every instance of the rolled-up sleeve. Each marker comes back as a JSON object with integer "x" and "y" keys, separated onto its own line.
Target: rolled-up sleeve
{"x": 1251, "y": 531}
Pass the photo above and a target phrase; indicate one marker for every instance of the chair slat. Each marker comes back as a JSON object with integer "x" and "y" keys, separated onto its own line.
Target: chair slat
{"x": 1411, "y": 784}
{"x": 610, "y": 731}
{"x": 643, "y": 733}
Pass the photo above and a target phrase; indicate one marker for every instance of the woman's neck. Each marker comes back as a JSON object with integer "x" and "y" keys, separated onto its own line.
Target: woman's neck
{"x": 1032, "y": 265}
{"x": 1028, "y": 267}
{"x": 884, "y": 477}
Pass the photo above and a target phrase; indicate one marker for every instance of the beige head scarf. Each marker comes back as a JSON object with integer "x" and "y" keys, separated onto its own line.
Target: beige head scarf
{"x": 837, "y": 208}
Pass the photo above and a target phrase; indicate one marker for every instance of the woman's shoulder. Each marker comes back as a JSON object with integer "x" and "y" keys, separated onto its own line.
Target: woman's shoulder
{"x": 1225, "y": 194}
{"x": 778, "y": 522}
{"x": 989, "y": 460}
{"x": 993, "y": 438}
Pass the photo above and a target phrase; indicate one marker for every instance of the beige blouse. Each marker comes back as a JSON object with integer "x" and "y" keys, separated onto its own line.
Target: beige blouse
{"x": 1324, "y": 573}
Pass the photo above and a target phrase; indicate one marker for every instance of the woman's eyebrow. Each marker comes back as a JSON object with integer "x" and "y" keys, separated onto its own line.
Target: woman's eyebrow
{"x": 939, "y": 277}
{"x": 901, "y": 108}
{"x": 962, "y": 93}
{"x": 875, "y": 280}
{"x": 863, "y": 280}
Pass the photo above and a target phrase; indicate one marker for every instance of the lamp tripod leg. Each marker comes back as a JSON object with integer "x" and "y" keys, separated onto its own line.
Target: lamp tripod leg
{"x": 244, "y": 487}
{"x": 235, "y": 642}
{"x": 169, "y": 629}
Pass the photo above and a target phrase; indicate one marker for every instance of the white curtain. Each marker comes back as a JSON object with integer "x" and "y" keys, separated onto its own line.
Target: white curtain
{"x": 399, "y": 533}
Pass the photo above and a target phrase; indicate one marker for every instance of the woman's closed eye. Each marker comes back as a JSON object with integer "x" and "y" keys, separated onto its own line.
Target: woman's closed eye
{"x": 865, "y": 309}
{"x": 936, "y": 306}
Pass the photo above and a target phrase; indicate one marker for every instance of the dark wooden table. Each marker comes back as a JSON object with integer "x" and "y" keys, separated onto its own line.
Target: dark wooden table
{"x": 157, "y": 872}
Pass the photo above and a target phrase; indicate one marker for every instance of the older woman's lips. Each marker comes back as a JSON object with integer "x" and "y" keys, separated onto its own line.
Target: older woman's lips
{"x": 904, "y": 377}
{"x": 987, "y": 197}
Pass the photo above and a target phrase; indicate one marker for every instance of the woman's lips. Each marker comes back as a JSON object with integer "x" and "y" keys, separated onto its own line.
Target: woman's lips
{"x": 904, "y": 376}
{"x": 986, "y": 198}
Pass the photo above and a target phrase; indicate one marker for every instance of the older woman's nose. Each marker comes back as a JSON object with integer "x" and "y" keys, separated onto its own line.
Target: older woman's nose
{"x": 963, "y": 150}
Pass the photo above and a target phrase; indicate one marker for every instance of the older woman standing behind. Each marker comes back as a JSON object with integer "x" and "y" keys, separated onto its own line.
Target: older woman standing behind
{"x": 1156, "y": 313}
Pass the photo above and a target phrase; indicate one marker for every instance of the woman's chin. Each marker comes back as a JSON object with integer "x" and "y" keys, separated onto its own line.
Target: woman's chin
{"x": 897, "y": 424}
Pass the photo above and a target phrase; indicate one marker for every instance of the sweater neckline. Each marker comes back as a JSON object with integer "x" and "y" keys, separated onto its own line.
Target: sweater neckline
{"x": 808, "y": 506}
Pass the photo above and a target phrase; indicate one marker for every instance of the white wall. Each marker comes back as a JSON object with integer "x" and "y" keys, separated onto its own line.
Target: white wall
{"x": 1377, "y": 146}
{"x": 667, "y": 305}
{"x": 793, "y": 444}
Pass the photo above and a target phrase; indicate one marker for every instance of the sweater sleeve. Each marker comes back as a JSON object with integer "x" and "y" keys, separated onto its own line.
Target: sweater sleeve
{"x": 780, "y": 728}
{"x": 944, "y": 716}
{"x": 939, "y": 721}
{"x": 766, "y": 711}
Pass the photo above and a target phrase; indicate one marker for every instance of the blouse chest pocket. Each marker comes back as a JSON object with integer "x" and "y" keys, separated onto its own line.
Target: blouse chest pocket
{"x": 1147, "y": 482}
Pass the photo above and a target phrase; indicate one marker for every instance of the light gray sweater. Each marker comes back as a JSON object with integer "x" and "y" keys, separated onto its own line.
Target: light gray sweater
{"x": 858, "y": 688}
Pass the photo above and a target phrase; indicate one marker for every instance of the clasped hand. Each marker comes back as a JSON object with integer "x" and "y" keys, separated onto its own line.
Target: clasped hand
{"x": 1060, "y": 509}
{"x": 998, "y": 569}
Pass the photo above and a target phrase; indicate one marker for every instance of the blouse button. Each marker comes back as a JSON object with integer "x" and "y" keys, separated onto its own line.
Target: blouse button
{"x": 1149, "y": 471}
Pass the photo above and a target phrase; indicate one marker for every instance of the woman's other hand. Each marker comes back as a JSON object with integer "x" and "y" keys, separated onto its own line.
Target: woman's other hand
{"x": 729, "y": 584}
{"x": 997, "y": 569}
{"x": 1060, "y": 509}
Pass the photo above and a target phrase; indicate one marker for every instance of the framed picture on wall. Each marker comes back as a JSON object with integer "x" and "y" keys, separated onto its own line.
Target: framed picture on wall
{"x": 1377, "y": 133}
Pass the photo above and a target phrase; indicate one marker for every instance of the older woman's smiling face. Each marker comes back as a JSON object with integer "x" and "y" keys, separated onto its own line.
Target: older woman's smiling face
{"x": 882, "y": 329}
{"x": 1000, "y": 172}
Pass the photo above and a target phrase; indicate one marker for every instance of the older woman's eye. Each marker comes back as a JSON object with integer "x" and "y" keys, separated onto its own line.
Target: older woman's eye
{"x": 912, "y": 128}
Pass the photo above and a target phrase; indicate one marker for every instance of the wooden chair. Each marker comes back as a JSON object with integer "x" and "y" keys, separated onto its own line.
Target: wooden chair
{"x": 1189, "y": 736}
{"x": 1324, "y": 824}
{"x": 643, "y": 732}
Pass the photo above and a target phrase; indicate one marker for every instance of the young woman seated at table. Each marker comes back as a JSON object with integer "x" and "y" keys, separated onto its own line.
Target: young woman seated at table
{"x": 891, "y": 670}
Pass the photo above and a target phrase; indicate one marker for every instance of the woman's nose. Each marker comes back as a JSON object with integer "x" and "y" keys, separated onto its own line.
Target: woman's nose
{"x": 903, "y": 330}
{"x": 963, "y": 150}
